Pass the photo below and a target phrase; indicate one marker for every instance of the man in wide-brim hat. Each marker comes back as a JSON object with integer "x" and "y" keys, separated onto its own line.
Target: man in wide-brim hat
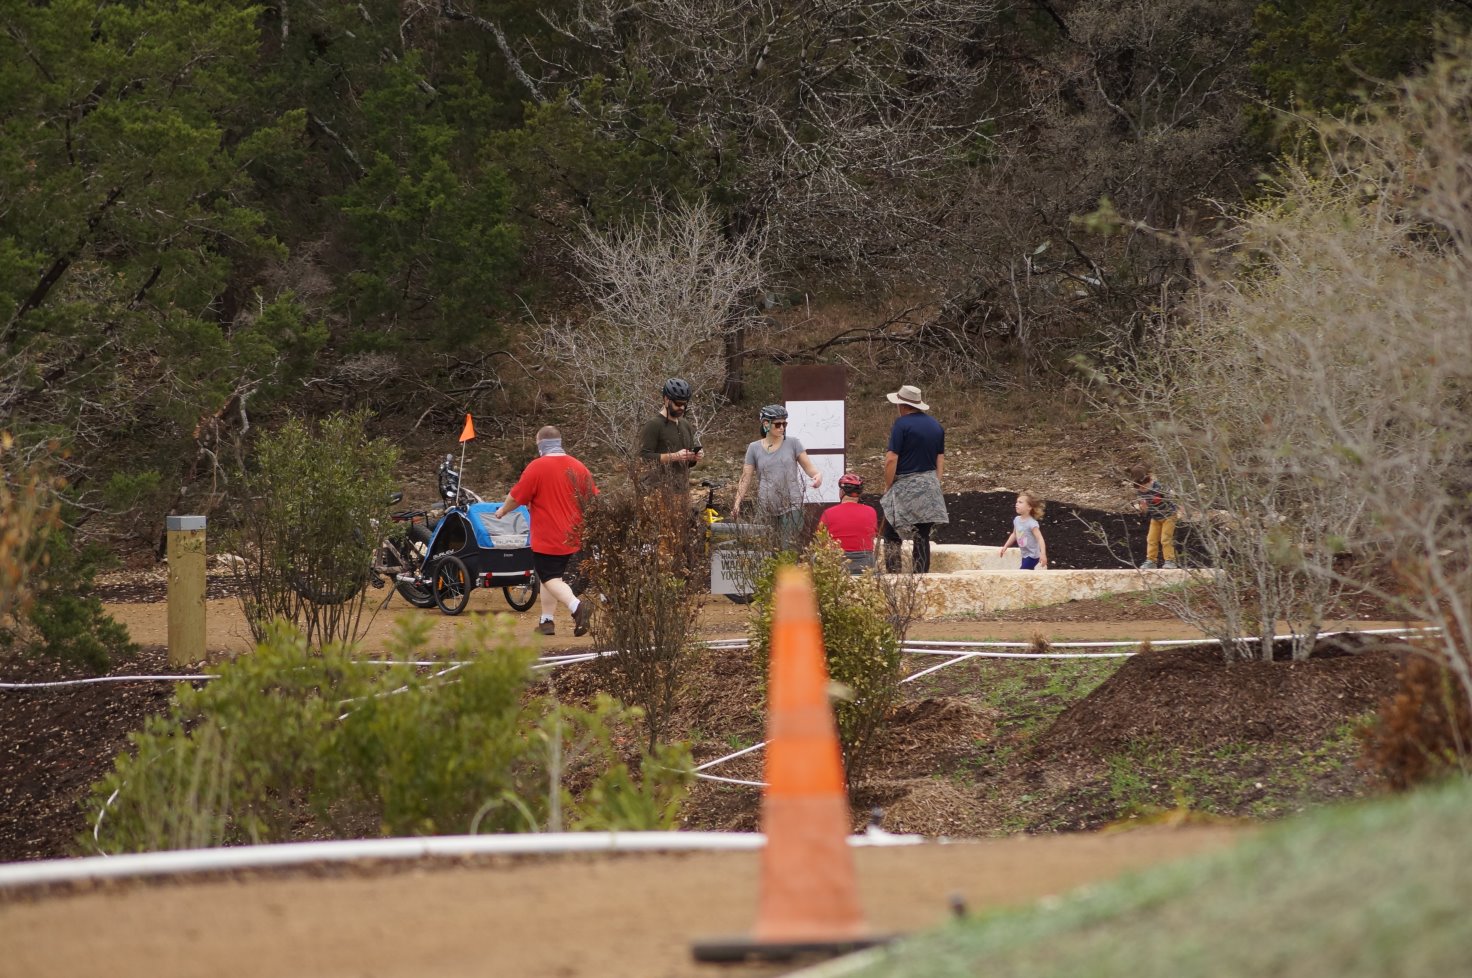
{"x": 909, "y": 396}
{"x": 914, "y": 463}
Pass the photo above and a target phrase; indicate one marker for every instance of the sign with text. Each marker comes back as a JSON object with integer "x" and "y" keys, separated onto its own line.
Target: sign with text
{"x": 814, "y": 395}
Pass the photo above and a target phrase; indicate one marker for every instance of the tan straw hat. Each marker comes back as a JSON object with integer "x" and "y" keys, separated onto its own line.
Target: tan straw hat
{"x": 908, "y": 395}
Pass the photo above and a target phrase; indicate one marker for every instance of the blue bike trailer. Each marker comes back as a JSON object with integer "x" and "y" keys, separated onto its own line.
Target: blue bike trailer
{"x": 496, "y": 552}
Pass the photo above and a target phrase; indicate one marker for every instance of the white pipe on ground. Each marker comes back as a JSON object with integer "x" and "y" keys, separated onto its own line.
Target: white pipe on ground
{"x": 184, "y": 861}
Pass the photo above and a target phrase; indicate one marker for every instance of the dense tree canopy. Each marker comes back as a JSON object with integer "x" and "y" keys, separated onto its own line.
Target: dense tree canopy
{"x": 1313, "y": 55}
{"x": 212, "y": 209}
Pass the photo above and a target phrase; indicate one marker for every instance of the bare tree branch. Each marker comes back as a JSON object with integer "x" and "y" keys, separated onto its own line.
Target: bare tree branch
{"x": 666, "y": 294}
{"x": 449, "y": 11}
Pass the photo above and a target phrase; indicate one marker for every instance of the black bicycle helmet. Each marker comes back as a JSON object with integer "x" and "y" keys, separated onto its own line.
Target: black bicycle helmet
{"x": 676, "y": 389}
{"x": 774, "y": 412}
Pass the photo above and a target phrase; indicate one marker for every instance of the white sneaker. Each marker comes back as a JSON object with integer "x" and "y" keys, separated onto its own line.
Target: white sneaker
{"x": 1148, "y": 565}
{"x": 1168, "y": 565}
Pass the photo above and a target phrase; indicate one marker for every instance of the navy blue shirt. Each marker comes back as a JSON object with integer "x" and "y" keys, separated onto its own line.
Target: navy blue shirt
{"x": 917, "y": 439}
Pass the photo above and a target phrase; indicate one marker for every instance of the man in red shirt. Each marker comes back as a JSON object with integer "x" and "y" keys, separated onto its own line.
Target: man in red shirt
{"x": 852, "y": 524}
{"x": 554, "y": 487}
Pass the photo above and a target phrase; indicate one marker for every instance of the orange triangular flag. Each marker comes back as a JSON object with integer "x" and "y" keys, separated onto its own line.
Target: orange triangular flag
{"x": 469, "y": 431}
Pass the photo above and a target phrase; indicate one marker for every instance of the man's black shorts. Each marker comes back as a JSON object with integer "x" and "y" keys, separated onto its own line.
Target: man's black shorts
{"x": 550, "y": 566}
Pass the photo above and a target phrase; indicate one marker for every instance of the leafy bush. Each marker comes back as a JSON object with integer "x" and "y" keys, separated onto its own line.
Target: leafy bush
{"x": 66, "y": 621}
{"x": 859, "y": 643}
{"x": 288, "y": 743}
{"x": 644, "y": 561}
{"x": 315, "y": 497}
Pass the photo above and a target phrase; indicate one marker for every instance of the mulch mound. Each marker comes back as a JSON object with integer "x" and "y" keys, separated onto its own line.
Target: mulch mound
{"x": 929, "y": 806}
{"x": 54, "y": 743}
{"x": 930, "y": 735}
{"x": 1189, "y": 696}
{"x": 1078, "y": 537}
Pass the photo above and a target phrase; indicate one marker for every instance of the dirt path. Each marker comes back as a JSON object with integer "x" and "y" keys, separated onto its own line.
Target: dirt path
{"x": 226, "y": 630}
{"x": 572, "y": 917}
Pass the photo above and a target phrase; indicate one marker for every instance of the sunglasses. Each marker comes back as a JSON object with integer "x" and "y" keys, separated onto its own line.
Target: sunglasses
{"x": 779, "y": 424}
{"x": 679, "y": 404}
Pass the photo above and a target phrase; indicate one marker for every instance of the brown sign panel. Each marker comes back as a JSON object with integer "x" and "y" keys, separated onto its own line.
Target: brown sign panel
{"x": 814, "y": 382}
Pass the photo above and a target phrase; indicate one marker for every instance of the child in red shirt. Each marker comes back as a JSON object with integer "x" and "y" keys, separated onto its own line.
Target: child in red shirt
{"x": 852, "y": 524}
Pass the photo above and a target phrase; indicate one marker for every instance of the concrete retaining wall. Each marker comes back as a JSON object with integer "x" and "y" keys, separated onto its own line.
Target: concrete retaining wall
{"x": 947, "y": 558}
{"x": 971, "y": 579}
{"x": 976, "y": 592}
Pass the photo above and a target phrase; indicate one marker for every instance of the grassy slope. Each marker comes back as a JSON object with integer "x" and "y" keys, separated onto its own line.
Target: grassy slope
{"x": 1364, "y": 890}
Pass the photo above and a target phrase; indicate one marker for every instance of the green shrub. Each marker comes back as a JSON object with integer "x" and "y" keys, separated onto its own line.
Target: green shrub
{"x": 67, "y": 621}
{"x": 315, "y": 498}
{"x": 289, "y": 743}
{"x": 859, "y": 643}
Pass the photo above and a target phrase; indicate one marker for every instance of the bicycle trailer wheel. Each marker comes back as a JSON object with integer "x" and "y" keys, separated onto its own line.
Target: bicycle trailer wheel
{"x": 451, "y": 584}
{"x": 522, "y": 596}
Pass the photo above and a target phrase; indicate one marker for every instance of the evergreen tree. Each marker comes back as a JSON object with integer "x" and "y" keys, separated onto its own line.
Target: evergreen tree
{"x": 128, "y": 136}
{"x": 1324, "y": 56}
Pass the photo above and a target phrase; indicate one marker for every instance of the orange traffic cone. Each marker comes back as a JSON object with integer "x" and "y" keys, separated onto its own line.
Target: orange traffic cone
{"x": 809, "y": 902}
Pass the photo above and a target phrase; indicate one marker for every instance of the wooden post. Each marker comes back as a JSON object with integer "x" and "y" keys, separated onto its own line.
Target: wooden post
{"x": 186, "y": 553}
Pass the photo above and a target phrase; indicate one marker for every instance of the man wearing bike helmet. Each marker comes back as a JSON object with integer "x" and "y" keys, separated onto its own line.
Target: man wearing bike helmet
{"x": 668, "y": 440}
{"x": 851, "y": 524}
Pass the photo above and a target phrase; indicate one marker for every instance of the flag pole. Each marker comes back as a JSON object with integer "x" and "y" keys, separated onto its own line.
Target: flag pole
{"x": 467, "y": 433}
{"x": 460, "y": 481}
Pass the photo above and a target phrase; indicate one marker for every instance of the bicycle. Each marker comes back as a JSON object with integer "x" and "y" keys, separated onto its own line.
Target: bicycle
{"x": 402, "y": 555}
{"x": 470, "y": 548}
{"x": 435, "y": 561}
{"x": 400, "y": 558}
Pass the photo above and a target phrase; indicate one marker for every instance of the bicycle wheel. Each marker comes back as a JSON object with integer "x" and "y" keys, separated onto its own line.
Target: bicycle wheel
{"x": 419, "y": 595}
{"x": 414, "y": 545}
{"x": 522, "y": 596}
{"x": 451, "y": 584}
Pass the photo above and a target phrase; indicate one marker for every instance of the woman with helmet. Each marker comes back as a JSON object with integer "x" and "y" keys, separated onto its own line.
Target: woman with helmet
{"x": 779, "y": 464}
{"x": 851, "y": 524}
{"x": 669, "y": 438}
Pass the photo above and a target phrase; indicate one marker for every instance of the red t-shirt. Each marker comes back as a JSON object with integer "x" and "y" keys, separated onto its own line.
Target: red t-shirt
{"x": 553, "y": 487}
{"x": 853, "y": 525}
